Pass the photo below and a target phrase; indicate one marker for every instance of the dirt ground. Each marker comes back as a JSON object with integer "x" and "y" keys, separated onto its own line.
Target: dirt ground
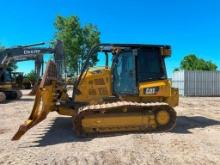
{"x": 195, "y": 139}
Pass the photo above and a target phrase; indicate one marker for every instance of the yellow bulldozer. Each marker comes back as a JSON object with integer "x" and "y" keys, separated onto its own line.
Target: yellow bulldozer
{"x": 131, "y": 93}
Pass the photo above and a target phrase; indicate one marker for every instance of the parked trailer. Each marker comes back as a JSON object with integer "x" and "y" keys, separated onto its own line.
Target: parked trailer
{"x": 197, "y": 83}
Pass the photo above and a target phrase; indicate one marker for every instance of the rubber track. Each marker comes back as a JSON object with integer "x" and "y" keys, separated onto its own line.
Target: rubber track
{"x": 131, "y": 107}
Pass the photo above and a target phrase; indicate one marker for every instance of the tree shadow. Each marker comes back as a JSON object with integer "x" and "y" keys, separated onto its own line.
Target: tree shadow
{"x": 185, "y": 123}
{"x": 61, "y": 131}
{"x": 26, "y": 99}
{"x": 17, "y": 100}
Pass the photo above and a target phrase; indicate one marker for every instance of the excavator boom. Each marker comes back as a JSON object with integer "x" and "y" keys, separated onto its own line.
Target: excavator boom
{"x": 25, "y": 53}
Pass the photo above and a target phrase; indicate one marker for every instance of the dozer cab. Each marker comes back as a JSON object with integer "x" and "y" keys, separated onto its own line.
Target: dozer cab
{"x": 133, "y": 94}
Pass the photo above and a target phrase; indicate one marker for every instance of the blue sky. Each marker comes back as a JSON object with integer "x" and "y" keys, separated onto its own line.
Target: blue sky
{"x": 189, "y": 26}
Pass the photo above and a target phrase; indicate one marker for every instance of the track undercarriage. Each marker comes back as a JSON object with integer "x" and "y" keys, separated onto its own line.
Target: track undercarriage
{"x": 9, "y": 95}
{"x": 124, "y": 116}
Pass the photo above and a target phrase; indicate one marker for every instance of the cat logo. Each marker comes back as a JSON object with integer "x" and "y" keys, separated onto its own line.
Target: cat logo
{"x": 151, "y": 90}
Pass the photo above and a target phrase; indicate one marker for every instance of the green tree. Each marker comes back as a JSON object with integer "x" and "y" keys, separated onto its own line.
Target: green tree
{"x": 12, "y": 66}
{"x": 77, "y": 41}
{"x": 192, "y": 62}
{"x": 176, "y": 69}
{"x": 32, "y": 76}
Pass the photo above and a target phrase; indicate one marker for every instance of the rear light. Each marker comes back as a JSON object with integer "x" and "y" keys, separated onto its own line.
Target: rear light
{"x": 165, "y": 51}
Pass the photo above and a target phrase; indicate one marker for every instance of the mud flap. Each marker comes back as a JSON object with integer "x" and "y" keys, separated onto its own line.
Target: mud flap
{"x": 44, "y": 101}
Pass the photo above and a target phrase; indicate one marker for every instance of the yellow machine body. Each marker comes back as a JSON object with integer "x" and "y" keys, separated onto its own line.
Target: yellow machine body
{"x": 5, "y": 86}
{"x": 96, "y": 85}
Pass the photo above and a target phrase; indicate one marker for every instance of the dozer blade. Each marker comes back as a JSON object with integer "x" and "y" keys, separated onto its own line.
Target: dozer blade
{"x": 44, "y": 101}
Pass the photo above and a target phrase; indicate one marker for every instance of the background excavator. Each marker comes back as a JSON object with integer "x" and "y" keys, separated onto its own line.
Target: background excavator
{"x": 8, "y": 87}
{"x": 21, "y": 81}
{"x": 133, "y": 94}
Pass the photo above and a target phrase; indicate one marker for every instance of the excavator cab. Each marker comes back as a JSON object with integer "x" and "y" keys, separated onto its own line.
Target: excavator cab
{"x": 5, "y": 76}
{"x": 6, "y": 86}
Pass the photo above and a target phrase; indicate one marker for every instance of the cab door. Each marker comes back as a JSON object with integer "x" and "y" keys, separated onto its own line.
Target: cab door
{"x": 124, "y": 74}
